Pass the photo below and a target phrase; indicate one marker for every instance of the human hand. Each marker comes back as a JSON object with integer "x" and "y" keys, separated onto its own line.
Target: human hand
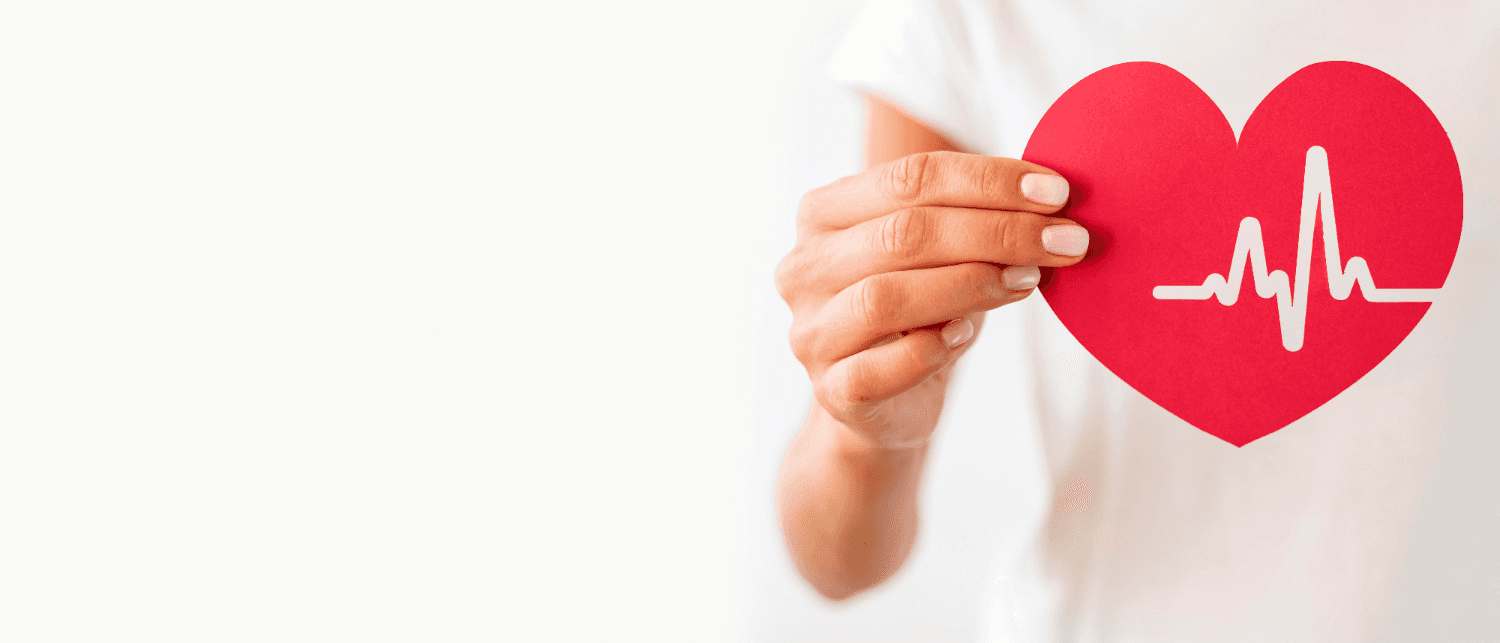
{"x": 894, "y": 268}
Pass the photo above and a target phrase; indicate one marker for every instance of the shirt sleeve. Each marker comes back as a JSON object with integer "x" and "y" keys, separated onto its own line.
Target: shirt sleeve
{"x": 917, "y": 56}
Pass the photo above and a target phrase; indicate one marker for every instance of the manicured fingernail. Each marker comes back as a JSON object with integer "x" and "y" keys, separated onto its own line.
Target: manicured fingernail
{"x": 1066, "y": 240}
{"x": 957, "y": 332}
{"x": 1046, "y": 189}
{"x": 1021, "y": 277}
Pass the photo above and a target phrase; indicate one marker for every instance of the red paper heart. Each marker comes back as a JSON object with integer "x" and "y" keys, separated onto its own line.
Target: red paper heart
{"x": 1164, "y": 189}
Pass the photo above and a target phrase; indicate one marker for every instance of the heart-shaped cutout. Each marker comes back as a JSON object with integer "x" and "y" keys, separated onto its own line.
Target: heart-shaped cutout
{"x": 1242, "y": 285}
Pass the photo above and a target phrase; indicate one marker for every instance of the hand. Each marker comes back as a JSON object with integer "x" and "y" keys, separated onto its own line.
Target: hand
{"x": 894, "y": 268}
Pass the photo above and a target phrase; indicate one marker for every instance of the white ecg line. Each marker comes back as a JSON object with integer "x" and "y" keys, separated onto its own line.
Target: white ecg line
{"x": 1291, "y": 305}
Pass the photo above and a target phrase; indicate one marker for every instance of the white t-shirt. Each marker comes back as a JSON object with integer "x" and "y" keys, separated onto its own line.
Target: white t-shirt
{"x": 1375, "y": 517}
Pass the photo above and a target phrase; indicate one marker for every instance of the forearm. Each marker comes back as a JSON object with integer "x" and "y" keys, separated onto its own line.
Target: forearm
{"x": 848, "y": 508}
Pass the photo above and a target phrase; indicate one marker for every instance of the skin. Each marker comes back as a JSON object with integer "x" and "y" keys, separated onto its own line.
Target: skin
{"x": 889, "y": 267}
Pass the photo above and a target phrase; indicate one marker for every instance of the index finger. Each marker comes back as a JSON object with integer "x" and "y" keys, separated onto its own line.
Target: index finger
{"x": 936, "y": 179}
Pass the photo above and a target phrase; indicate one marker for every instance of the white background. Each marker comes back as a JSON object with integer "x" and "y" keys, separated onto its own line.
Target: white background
{"x": 421, "y": 321}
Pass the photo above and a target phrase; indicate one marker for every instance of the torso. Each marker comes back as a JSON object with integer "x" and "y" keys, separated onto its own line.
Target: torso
{"x": 1372, "y": 515}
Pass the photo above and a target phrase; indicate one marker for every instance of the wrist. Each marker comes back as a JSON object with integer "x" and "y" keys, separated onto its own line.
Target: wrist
{"x": 848, "y": 444}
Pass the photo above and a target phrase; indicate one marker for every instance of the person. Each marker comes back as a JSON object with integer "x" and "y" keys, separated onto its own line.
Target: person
{"x": 1374, "y": 517}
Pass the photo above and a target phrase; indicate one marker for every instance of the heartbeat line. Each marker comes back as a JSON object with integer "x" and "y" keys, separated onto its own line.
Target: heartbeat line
{"x": 1291, "y": 305}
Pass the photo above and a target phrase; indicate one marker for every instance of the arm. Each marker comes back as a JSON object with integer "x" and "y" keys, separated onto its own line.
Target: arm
{"x": 848, "y": 507}
{"x": 892, "y": 273}
{"x": 891, "y": 134}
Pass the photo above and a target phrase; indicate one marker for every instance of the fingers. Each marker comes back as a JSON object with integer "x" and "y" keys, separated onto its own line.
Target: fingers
{"x": 882, "y": 305}
{"x": 851, "y": 389}
{"x": 894, "y": 265}
{"x": 935, "y": 179}
{"x": 925, "y": 237}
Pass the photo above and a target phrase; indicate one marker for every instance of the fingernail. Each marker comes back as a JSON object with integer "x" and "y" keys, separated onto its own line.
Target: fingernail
{"x": 1066, "y": 240}
{"x": 1046, "y": 189}
{"x": 1021, "y": 277}
{"x": 957, "y": 332}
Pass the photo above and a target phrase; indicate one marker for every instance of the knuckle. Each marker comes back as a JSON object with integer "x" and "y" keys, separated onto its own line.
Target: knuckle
{"x": 998, "y": 176}
{"x": 982, "y": 280}
{"x": 1008, "y": 234}
{"x": 802, "y": 338}
{"x": 925, "y": 353}
{"x": 904, "y": 233}
{"x": 786, "y": 277}
{"x": 905, "y": 179}
{"x": 807, "y": 208}
{"x": 873, "y": 299}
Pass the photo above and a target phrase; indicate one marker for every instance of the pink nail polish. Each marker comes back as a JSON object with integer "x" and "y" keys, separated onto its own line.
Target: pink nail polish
{"x": 1021, "y": 277}
{"x": 1045, "y": 189}
{"x": 1065, "y": 240}
{"x": 957, "y": 332}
